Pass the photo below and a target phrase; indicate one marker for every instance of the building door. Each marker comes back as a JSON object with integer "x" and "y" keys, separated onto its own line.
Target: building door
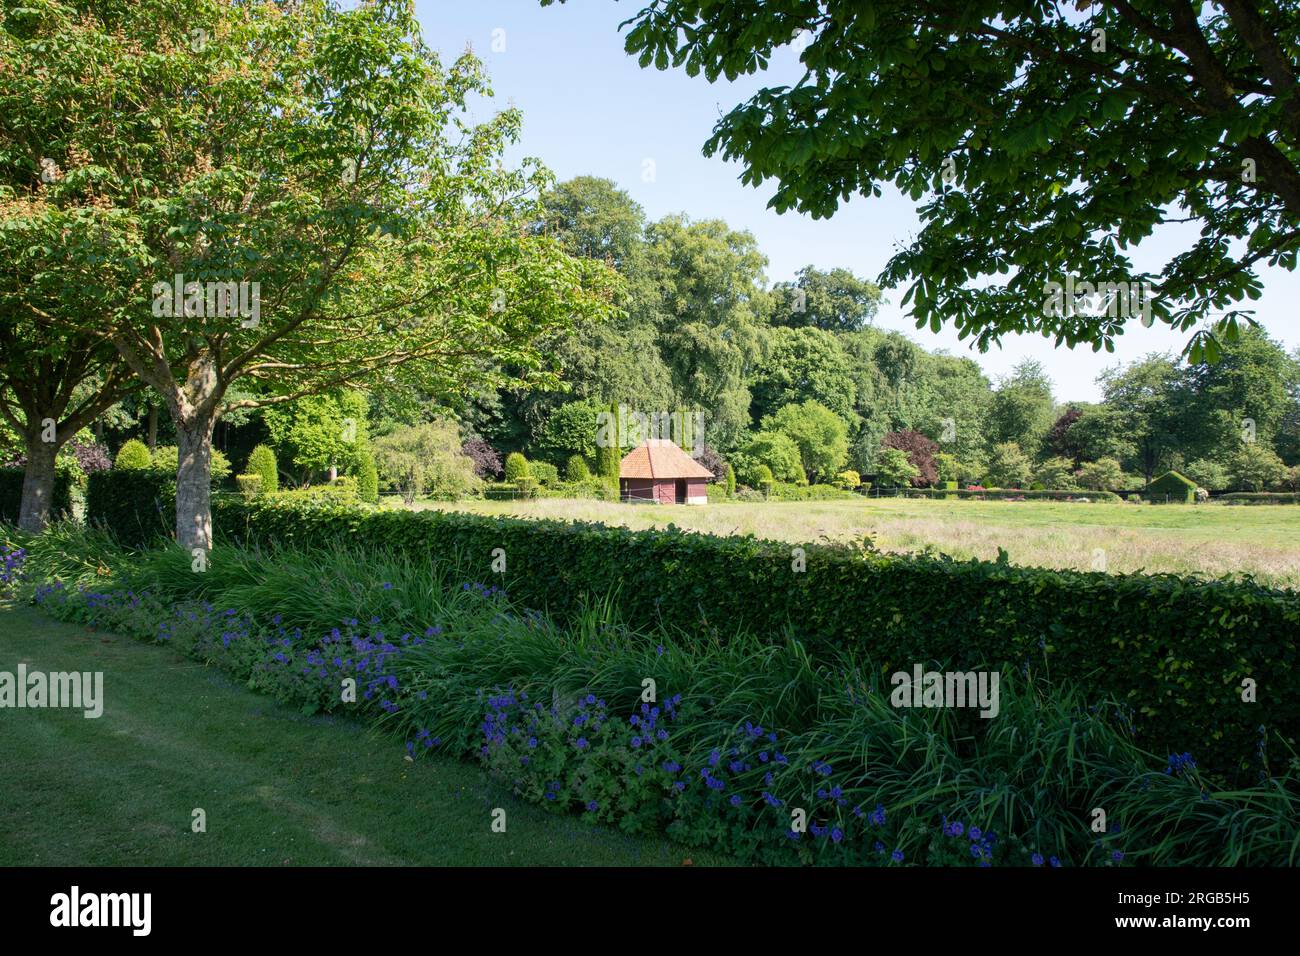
{"x": 681, "y": 491}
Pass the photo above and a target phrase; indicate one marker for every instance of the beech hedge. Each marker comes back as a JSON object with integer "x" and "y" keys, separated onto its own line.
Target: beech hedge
{"x": 11, "y": 494}
{"x": 136, "y": 505}
{"x": 1009, "y": 494}
{"x": 1175, "y": 650}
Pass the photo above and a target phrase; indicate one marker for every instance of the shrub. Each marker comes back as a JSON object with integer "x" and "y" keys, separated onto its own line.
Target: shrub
{"x": 166, "y": 458}
{"x": 425, "y": 460}
{"x": 11, "y": 494}
{"x": 1256, "y": 467}
{"x": 920, "y": 451}
{"x": 135, "y": 505}
{"x": 1009, "y": 494}
{"x": 848, "y": 480}
{"x": 782, "y": 491}
{"x": 133, "y": 455}
{"x": 250, "y": 486}
{"x": 527, "y": 486}
{"x": 368, "y": 478}
{"x": 516, "y": 467}
{"x": 1173, "y": 488}
{"x": 545, "y": 473}
{"x": 1102, "y": 474}
{"x": 894, "y": 469}
{"x": 1008, "y": 466}
{"x": 1260, "y": 498}
{"x": 1173, "y": 649}
{"x": 340, "y": 491}
{"x": 1056, "y": 474}
{"x": 261, "y": 462}
{"x": 731, "y": 481}
{"x": 575, "y": 469}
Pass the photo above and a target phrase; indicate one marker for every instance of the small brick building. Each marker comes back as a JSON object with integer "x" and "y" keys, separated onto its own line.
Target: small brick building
{"x": 657, "y": 470}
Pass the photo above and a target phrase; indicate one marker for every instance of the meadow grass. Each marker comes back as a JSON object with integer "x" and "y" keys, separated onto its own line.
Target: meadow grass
{"x": 1210, "y": 540}
{"x": 278, "y": 788}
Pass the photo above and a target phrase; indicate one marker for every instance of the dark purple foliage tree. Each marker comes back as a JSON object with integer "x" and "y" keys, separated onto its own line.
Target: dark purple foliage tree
{"x": 1060, "y": 443}
{"x": 487, "y": 463}
{"x": 920, "y": 452}
{"x": 711, "y": 460}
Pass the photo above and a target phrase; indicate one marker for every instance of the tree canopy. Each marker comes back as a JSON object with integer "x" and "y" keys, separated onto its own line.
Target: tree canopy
{"x": 1041, "y": 141}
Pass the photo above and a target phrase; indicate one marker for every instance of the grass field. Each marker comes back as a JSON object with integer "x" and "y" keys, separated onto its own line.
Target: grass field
{"x": 1206, "y": 539}
{"x": 278, "y": 788}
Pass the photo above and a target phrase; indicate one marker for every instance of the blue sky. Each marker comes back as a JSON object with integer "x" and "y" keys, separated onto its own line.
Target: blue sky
{"x": 588, "y": 108}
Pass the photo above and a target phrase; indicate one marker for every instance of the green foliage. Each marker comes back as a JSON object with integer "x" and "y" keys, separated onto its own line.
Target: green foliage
{"x": 426, "y": 460}
{"x": 575, "y": 469}
{"x": 545, "y": 473}
{"x": 319, "y": 432}
{"x": 768, "y": 455}
{"x": 731, "y": 480}
{"x": 570, "y": 430}
{"x": 167, "y": 457}
{"x": 834, "y": 301}
{"x": 11, "y": 494}
{"x": 1101, "y": 475}
{"x": 894, "y": 469}
{"x": 1055, "y": 750}
{"x": 134, "y": 454}
{"x": 1021, "y": 411}
{"x": 780, "y": 491}
{"x": 1056, "y": 474}
{"x": 1256, "y": 467}
{"x": 368, "y": 478}
{"x": 1209, "y": 473}
{"x": 848, "y": 479}
{"x": 516, "y": 467}
{"x": 1012, "y": 494}
{"x": 909, "y": 94}
{"x": 1172, "y": 649}
{"x": 136, "y": 506}
{"x": 804, "y": 364}
{"x": 1260, "y": 498}
{"x": 820, "y": 434}
{"x": 1171, "y": 487}
{"x": 250, "y": 486}
{"x": 1008, "y": 466}
{"x": 261, "y": 462}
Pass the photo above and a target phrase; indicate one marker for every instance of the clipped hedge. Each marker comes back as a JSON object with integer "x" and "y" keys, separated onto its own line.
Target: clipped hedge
{"x": 1008, "y": 494}
{"x": 1174, "y": 649}
{"x": 136, "y": 505}
{"x": 1260, "y": 498}
{"x": 11, "y": 494}
{"x": 1171, "y": 488}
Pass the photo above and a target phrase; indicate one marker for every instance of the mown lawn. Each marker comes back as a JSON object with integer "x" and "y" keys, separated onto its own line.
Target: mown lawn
{"x": 1204, "y": 539}
{"x": 278, "y": 788}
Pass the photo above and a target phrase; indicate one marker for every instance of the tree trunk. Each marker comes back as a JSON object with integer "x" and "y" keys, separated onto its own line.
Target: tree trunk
{"x": 38, "y": 485}
{"x": 334, "y": 473}
{"x": 194, "y": 482}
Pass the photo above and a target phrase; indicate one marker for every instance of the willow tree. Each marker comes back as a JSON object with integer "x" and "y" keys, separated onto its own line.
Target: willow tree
{"x": 310, "y": 202}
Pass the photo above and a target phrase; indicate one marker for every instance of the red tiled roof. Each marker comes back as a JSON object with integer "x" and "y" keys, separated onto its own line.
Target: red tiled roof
{"x": 660, "y": 458}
